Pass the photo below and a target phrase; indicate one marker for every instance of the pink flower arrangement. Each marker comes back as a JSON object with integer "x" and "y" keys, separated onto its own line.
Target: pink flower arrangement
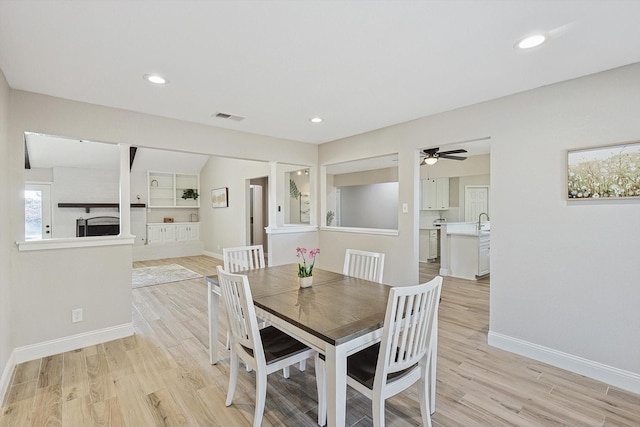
{"x": 303, "y": 270}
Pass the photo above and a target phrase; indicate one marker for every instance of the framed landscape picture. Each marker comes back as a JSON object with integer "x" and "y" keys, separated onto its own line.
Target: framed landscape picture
{"x": 606, "y": 172}
{"x": 219, "y": 197}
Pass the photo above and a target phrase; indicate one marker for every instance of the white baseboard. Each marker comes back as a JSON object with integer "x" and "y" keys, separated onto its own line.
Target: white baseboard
{"x": 5, "y": 380}
{"x": 72, "y": 342}
{"x": 620, "y": 378}
{"x": 213, "y": 255}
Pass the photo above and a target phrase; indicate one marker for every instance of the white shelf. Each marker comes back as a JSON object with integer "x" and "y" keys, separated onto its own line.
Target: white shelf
{"x": 166, "y": 190}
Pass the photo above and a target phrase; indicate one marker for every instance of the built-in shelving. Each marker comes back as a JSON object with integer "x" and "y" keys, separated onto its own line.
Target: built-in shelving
{"x": 166, "y": 190}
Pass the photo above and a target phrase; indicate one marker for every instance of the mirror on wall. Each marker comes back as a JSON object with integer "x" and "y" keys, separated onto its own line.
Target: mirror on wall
{"x": 363, "y": 193}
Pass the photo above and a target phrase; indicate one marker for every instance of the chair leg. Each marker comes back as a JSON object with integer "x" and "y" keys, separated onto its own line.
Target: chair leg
{"x": 377, "y": 409}
{"x": 322, "y": 392}
{"x": 228, "y": 344}
{"x": 261, "y": 398}
{"x": 234, "y": 365}
{"x": 424, "y": 398}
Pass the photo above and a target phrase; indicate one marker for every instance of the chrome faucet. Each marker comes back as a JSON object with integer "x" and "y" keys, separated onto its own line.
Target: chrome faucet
{"x": 480, "y": 220}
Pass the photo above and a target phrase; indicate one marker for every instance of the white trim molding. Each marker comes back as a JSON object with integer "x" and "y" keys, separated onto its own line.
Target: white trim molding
{"x": 358, "y": 230}
{"x": 7, "y": 373}
{"x": 74, "y": 242}
{"x": 71, "y": 342}
{"x": 620, "y": 378}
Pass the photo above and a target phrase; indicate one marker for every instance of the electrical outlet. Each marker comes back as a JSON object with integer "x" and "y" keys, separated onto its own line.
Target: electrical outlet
{"x": 76, "y": 315}
{"x": 405, "y": 208}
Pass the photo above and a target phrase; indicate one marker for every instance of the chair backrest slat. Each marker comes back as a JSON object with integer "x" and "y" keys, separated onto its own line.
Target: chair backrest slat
{"x": 364, "y": 265}
{"x": 243, "y": 258}
{"x": 408, "y": 326}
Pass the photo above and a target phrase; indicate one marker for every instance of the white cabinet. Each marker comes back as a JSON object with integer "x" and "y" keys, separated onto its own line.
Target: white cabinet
{"x": 173, "y": 190}
{"x": 185, "y": 232}
{"x": 469, "y": 255}
{"x": 428, "y": 245}
{"x": 161, "y": 233}
{"x": 483, "y": 255}
{"x": 173, "y": 232}
{"x": 435, "y": 194}
{"x": 433, "y": 244}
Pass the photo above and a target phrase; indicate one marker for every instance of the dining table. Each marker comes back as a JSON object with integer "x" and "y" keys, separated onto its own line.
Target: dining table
{"x": 338, "y": 315}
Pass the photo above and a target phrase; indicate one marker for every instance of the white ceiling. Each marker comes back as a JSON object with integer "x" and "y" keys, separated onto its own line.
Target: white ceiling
{"x": 47, "y": 151}
{"x": 362, "y": 65}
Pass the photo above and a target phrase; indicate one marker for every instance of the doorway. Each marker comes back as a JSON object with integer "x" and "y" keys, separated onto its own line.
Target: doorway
{"x": 476, "y": 201}
{"x": 258, "y": 209}
{"x": 37, "y": 212}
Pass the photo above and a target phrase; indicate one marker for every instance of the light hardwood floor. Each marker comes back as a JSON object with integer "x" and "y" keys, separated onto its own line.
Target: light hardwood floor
{"x": 161, "y": 375}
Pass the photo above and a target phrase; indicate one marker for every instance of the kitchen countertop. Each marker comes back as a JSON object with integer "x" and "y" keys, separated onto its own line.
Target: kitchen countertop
{"x": 474, "y": 233}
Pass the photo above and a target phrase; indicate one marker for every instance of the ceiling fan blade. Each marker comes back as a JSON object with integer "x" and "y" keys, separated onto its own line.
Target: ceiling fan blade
{"x": 430, "y": 151}
{"x": 453, "y": 152}
{"x": 452, "y": 157}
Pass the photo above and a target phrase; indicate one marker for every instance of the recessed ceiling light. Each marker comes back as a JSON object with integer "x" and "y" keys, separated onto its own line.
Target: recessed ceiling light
{"x": 155, "y": 79}
{"x": 316, "y": 120}
{"x": 531, "y": 41}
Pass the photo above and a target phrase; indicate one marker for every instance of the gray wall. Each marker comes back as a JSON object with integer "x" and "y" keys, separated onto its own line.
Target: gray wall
{"x": 564, "y": 276}
{"x": 6, "y": 343}
{"x": 369, "y": 206}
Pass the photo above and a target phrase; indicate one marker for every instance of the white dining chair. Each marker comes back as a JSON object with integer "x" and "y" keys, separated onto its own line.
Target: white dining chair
{"x": 265, "y": 350}
{"x": 402, "y": 358}
{"x": 243, "y": 258}
{"x": 364, "y": 265}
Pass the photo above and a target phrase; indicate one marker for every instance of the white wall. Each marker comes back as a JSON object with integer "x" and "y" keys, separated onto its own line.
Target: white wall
{"x": 6, "y": 197}
{"x": 227, "y": 227}
{"x": 564, "y": 276}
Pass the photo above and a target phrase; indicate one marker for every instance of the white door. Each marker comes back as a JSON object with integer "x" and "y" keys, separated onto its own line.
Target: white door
{"x": 37, "y": 212}
{"x": 476, "y": 201}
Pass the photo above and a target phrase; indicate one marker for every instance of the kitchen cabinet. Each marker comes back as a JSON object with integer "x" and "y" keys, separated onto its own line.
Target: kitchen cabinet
{"x": 469, "y": 255}
{"x": 167, "y": 189}
{"x": 483, "y": 254}
{"x": 172, "y": 232}
{"x": 428, "y": 243}
{"x": 435, "y": 194}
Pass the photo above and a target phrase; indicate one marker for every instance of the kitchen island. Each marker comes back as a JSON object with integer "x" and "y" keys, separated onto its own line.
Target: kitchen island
{"x": 465, "y": 250}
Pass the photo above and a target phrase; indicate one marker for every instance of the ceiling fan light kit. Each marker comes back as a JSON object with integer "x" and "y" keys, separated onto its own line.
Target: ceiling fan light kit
{"x": 432, "y": 155}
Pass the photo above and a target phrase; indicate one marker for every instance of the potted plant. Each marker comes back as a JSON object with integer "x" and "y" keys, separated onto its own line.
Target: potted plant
{"x": 190, "y": 193}
{"x": 305, "y": 273}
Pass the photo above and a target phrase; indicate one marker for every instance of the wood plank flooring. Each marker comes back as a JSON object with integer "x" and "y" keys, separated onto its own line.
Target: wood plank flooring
{"x": 161, "y": 376}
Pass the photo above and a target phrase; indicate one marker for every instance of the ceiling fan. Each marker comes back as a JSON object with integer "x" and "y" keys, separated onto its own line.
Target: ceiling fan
{"x": 432, "y": 155}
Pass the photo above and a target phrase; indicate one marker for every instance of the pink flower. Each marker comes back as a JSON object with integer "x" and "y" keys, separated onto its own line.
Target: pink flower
{"x": 303, "y": 270}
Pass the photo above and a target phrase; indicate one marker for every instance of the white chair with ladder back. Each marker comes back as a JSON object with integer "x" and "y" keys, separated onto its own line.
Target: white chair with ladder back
{"x": 265, "y": 350}
{"x": 403, "y": 357}
{"x": 364, "y": 265}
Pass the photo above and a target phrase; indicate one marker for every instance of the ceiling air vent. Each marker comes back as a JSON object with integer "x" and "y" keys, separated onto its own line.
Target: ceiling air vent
{"x": 228, "y": 116}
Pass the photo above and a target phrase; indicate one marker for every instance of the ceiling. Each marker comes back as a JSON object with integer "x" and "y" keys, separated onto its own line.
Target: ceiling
{"x": 47, "y": 151}
{"x": 361, "y": 65}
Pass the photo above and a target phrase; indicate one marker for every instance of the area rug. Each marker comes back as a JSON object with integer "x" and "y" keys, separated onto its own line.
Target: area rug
{"x": 148, "y": 276}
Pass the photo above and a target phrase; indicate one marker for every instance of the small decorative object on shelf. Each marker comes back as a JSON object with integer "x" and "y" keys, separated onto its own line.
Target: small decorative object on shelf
{"x": 190, "y": 193}
{"x": 305, "y": 273}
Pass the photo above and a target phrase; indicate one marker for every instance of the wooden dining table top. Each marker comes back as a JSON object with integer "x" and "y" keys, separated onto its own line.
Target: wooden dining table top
{"x": 336, "y": 309}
